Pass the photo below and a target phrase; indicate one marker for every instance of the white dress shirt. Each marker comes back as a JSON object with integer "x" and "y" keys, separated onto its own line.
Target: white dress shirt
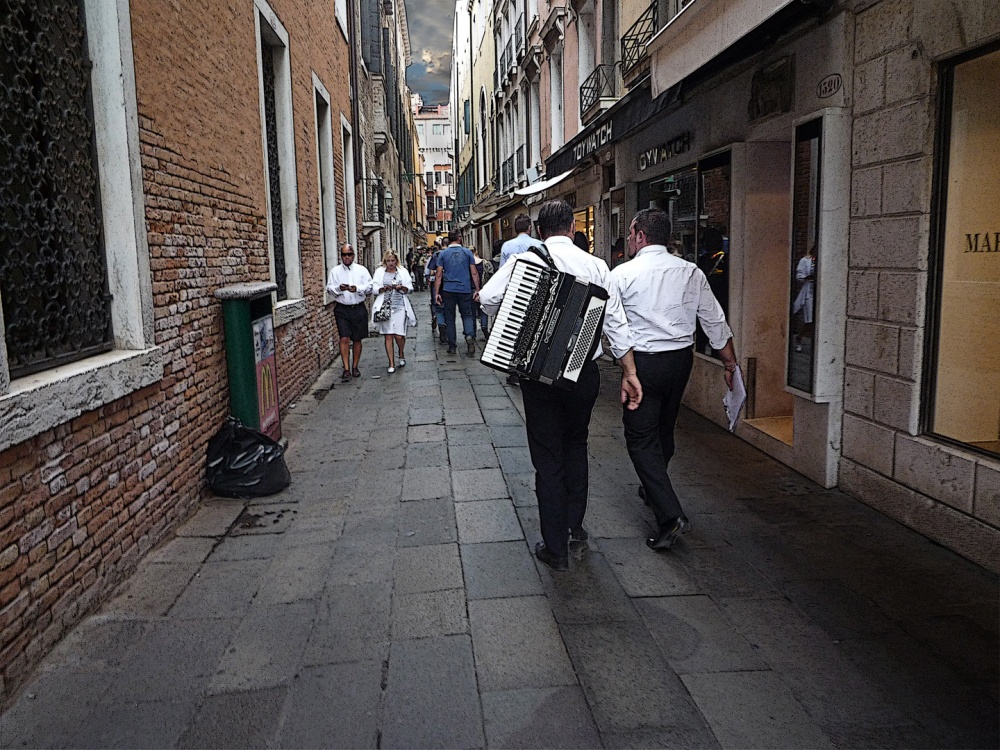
{"x": 569, "y": 259}
{"x": 663, "y": 297}
{"x": 355, "y": 275}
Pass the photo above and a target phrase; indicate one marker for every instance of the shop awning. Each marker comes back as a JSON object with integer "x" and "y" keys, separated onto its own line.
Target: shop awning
{"x": 541, "y": 185}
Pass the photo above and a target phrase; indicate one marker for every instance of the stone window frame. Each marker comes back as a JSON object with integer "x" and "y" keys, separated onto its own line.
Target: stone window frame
{"x": 340, "y": 12}
{"x": 269, "y": 30}
{"x": 326, "y": 175}
{"x": 935, "y": 276}
{"x": 36, "y": 403}
{"x": 350, "y": 198}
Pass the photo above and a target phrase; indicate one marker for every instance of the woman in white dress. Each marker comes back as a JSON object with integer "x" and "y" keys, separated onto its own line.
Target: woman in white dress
{"x": 392, "y": 283}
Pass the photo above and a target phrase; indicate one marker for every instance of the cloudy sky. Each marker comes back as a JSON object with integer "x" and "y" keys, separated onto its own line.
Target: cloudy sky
{"x": 430, "y": 24}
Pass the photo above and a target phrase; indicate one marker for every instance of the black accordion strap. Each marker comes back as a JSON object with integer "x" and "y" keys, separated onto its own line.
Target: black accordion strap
{"x": 543, "y": 252}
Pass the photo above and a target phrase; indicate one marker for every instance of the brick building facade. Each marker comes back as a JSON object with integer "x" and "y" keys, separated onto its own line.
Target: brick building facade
{"x": 100, "y": 458}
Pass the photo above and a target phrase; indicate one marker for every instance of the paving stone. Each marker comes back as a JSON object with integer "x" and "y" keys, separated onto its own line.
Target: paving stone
{"x": 643, "y": 572}
{"x": 838, "y": 610}
{"x": 694, "y": 636}
{"x": 487, "y": 521}
{"x": 355, "y": 564}
{"x": 174, "y": 662}
{"x": 469, "y": 457}
{"x": 499, "y": 569}
{"x": 221, "y": 589}
{"x": 517, "y": 644}
{"x": 102, "y": 643}
{"x": 497, "y": 403}
{"x": 430, "y": 568}
{"x": 53, "y": 709}
{"x": 753, "y": 709}
{"x": 425, "y": 434}
{"x": 429, "y": 614}
{"x": 335, "y": 706}
{"x": 589, "y": 593}
{"x": 213, "y": 518}
{"x": 515, "y": 460}
{"x": 431, "y": 698}
{"x": 131, "y": 724}
{"x": 425, "y": 416}
{"x": 230, "y": 720}
{"x": 723, "y": 572}
{"x": 152, "y": 590}
{"x": 509, "y": 436}
{"x": 422, "y": 455}
{"x": 272, "y": 518}
{"x": 423, "y": 522}
{"x": 628, "y": 685}
{"x": 352, "y": 625}
{"x": 182, "y": 550}
{"x": 426, "y": 483}
{"x": 507, "y": 416}
{"x": 468, "y": 435}
{"x": 266, "y": 649}
{"x": 539, "y": 717}
{"x": 300, "y": 573}
{"x": 478, "y": 484}
{"x": 256, "y": 547}
{"x": 522, "y": 489}
{"x": 471, "y": 415}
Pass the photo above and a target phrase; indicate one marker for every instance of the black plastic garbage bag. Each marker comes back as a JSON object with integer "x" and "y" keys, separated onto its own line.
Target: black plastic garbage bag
{"x": 243, "y": 462}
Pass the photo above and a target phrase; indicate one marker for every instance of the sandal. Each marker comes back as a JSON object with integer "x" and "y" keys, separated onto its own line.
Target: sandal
{"x": 345, "y": 376}
{"x": 356, "y": 372}
{"x": 402, "y": 363}
{"x": 390, "y": 370}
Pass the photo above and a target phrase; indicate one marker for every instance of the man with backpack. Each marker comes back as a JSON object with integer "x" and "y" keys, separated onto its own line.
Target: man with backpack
{"x": 455, "y": 284}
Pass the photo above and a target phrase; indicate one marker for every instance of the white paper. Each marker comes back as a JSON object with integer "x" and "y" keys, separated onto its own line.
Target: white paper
{"x": 734, "y": 399}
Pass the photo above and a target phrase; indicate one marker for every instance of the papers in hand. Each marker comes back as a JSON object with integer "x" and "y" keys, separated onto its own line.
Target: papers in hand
{"x": 734, "y": 399}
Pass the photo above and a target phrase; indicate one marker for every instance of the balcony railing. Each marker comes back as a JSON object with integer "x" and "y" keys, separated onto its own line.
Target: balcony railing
{"x": 508, "y": 172}
{"x": 520, "y": 162}
{"x": 603, "y": 83}
{"x": 519, "y": 38}
{"x": 635, "y": 39}
{"x": 373, "y": 207}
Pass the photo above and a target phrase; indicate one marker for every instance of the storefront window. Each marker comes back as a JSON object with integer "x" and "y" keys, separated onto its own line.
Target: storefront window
{"x": 804, "y": 265}
{"x": 966, "y": 364}
{"x": 585, "y": 227}
{"x": 698, "y": 201}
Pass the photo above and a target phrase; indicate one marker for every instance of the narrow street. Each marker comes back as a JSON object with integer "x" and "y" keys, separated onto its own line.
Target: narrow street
{"x": 389, "y": 599}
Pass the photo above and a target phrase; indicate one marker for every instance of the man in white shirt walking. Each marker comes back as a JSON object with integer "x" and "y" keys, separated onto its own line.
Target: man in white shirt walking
{"x": 520, "y": 243}
{"x": 663, "y": 297}
{"x": 350, "y": 283}
{"x": 558, "y": 421}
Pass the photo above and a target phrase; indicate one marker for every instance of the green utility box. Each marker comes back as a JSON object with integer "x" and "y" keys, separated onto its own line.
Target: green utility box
{"x": 253, "y": 377}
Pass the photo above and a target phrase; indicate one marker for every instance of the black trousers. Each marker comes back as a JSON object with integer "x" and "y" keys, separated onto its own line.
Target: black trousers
{"x": 558, "y": 424}
{"x": 649, "y": 430}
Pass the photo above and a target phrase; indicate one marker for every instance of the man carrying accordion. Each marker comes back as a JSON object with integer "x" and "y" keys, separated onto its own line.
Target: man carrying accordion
{"x": 559, "y": 398}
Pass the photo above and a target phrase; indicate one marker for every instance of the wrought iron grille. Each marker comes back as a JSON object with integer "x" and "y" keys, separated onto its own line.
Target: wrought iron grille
{"x": 373, "y": 208}
{"x": 520, "y": 161}
{"x": 601, "y": 84}
{"x": 274, "y": 171}
{"x": 53, "y": 273}
{"x": 634, "y": 40}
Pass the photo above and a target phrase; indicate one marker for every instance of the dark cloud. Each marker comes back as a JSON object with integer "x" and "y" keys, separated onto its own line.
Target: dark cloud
{"x": 430, "y": 24}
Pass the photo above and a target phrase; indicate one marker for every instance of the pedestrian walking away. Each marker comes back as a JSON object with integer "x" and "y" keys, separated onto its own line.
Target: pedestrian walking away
{"x": 455, "y": 284}
{"x": 350, "y": 283}
{"x": 558, "y": 421}
{"x": 521, "y": 242}
{"x": 392, "y": 283}
{"x": 664, "y": 296}
{"x": 486, "y": 269}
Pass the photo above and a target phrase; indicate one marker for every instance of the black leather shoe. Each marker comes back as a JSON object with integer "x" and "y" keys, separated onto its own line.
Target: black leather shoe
{"x": 558, "y": 564}
{"x": 642, "y": 494}
{"x": 670, "y": 532}
{"x": 578, "y": 534}
{"x": 513, "y": 379}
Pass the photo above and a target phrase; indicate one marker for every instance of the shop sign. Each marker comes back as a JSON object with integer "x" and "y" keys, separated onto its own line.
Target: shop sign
{"x": 771, "y": 89}
{"x": 674, "y": 147}
{"x": 973, "y": 244}
{"x": 598, "y": 139}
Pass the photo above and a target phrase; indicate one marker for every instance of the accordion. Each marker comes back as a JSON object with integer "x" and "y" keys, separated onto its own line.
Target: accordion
{"x": 548, "y": 324}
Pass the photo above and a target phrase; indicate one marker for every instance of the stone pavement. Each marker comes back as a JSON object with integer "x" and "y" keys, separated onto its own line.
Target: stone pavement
{"x": 389, "y": 599}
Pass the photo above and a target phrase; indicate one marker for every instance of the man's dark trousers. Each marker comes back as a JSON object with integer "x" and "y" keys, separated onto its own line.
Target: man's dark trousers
{"x": 464, "y": 302}
{"x": 649, "y": 430}
{"x": 558, "y": 423}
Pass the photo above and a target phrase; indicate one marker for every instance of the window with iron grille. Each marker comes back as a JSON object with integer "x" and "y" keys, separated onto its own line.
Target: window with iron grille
{"x": 53, "y": 275}
{"x": 279, "y": 162}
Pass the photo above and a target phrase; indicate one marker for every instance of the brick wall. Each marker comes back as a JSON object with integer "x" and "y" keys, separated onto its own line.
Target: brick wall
{"x": 80, "y": 504}
{"x": 949, "y": 494}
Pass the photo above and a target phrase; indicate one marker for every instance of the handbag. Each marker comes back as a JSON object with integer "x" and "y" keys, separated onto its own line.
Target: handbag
{"x": 384, "y": 312}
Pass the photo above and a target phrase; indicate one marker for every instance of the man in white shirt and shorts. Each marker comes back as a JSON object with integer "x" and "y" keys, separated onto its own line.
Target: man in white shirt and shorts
{"x": 664, "y": 296}
{"x": 350, "y": 283}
